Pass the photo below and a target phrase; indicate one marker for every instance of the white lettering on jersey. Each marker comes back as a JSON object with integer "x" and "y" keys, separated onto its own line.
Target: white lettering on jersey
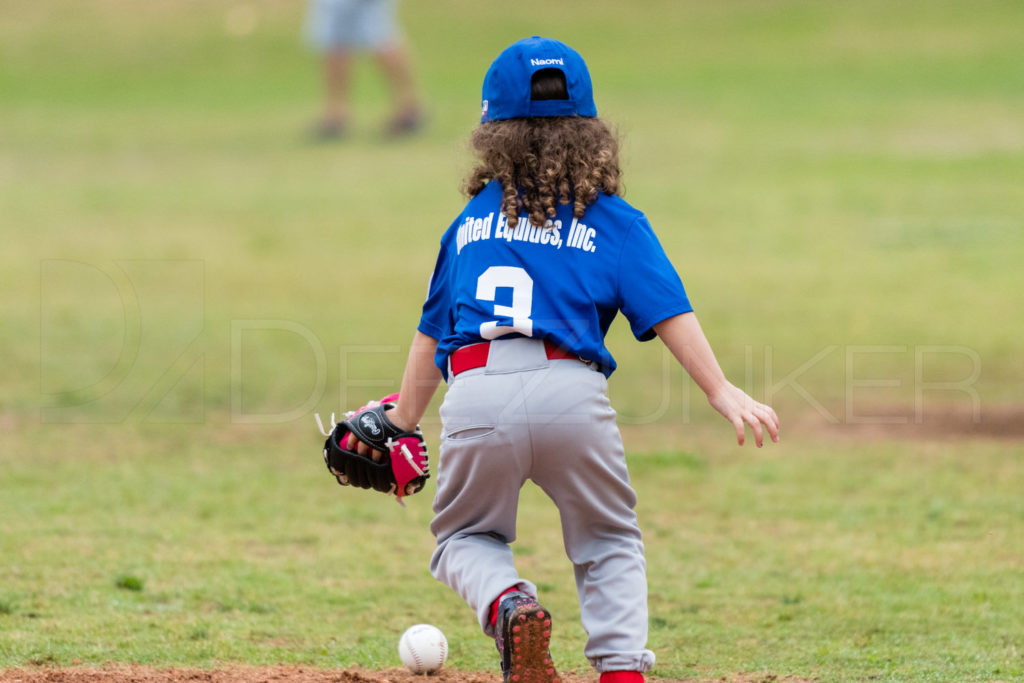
{"x": 547, "y": 62}
{"x": 550, "y": 235}
{"x": 581, "y": 237}
{"x": 473, "y": 229}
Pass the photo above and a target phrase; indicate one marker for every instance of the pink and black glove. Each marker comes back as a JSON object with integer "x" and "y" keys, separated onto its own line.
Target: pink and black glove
{"x": 402, "y": 471}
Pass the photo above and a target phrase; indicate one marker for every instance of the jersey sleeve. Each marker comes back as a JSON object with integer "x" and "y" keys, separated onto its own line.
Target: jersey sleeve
{"x": 649, "y": 287}
{"x": 436, "y": 320}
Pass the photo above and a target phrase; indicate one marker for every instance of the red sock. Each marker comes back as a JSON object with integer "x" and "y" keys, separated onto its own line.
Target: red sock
{"x": 622, "y": 677}
{"x": 497, "y": 602}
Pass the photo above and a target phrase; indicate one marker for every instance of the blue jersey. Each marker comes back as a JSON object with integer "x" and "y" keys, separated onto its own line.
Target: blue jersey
{"x": 565, "y": 282}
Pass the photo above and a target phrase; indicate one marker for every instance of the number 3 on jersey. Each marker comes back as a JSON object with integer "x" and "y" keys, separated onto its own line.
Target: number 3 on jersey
{"x": 521, "y": 284}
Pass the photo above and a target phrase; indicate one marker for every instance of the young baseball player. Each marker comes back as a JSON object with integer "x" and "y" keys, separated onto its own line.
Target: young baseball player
{"x": 527, "y": 282}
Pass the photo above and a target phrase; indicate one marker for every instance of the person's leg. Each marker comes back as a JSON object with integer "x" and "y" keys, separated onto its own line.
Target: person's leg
{"x": 486, "y": 456}
{"x": 581, "y": 465}
{"x": 480, "y": 472}
{"x": 378, "y": 30}
{"x": 329, "y": 31}
{"x": 408, "y": 112}
{"x": 337, "y": 74}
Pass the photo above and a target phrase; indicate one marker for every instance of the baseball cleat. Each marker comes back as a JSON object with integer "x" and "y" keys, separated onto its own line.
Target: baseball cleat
{"x": 523, "y": 635}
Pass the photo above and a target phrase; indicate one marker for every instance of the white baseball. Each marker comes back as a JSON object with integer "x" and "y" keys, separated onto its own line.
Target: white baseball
{"x": 423, "y": 648}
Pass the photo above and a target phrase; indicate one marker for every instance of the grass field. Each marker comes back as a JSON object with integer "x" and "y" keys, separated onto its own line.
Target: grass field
{"x": 838, "y": 184}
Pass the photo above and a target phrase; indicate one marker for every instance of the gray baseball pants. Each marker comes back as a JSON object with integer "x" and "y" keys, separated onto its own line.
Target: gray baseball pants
{"x": 526, "y": 417}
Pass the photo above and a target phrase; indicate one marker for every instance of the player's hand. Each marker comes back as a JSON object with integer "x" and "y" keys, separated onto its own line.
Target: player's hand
{"x": 740, "y": 409}
{"x": 354, "y": 444}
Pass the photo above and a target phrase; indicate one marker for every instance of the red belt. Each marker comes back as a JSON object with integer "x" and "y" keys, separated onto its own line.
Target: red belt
{"x": 475, "y": 355}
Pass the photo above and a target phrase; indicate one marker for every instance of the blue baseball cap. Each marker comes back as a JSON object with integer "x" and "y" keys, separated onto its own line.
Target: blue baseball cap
{"x": 506, "y": 91}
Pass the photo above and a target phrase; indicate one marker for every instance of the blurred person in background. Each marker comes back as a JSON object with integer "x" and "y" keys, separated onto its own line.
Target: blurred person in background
{"x": 338, "y": 29}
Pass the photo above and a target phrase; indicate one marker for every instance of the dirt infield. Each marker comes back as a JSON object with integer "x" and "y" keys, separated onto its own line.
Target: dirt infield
{"x": 116, "y": 673}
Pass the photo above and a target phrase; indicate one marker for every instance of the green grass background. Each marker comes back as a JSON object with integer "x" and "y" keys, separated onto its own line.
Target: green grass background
{"x": 186, "y": 279}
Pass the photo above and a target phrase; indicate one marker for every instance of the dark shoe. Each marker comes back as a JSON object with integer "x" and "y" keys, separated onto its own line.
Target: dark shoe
{"x": 405, "y": 124}
{"x": 325, "y": 130}
{"x": 523, "y": 635}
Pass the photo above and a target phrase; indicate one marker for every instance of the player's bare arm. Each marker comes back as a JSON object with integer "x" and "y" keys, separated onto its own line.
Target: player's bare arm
{"x": 684, "y": 337}
{"x": 419, "y": 382}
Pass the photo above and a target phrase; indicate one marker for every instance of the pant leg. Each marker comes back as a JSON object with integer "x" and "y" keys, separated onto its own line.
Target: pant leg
{"x": 483, "y": 464}
{"x": 580, "y": 463}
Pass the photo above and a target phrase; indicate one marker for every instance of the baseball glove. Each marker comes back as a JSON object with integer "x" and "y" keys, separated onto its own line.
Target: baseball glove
{"x": 402, "y": 471}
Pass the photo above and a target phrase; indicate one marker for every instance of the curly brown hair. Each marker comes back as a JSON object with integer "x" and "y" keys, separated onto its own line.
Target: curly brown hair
{"x": 544, "y": 161}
